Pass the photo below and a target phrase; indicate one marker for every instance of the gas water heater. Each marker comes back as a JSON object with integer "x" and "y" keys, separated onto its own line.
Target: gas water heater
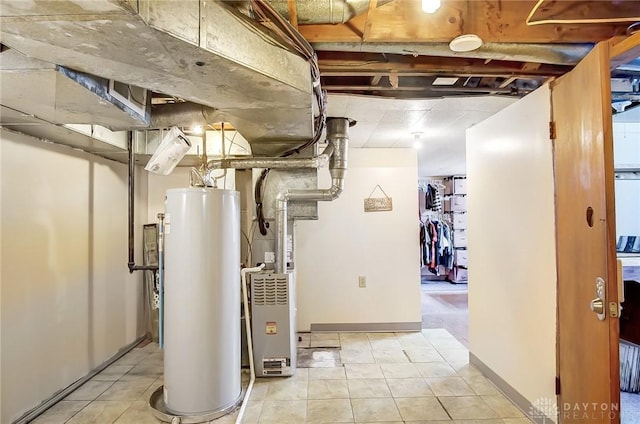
{"x": 202, "y": 374}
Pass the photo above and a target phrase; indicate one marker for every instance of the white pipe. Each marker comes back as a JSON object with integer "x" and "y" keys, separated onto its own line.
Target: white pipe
{"x": 247, "y": 323}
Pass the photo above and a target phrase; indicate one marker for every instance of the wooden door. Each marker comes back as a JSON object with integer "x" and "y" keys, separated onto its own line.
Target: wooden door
{"x": 588, "y": 361}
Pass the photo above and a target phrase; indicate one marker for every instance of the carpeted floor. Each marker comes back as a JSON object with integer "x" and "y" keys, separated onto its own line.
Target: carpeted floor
{"x": 444, "y": 305}
{"x": 439, "y": 286}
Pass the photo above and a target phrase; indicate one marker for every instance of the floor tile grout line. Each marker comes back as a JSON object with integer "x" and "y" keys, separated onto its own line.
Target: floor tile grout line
{"x": 444, "y": 408}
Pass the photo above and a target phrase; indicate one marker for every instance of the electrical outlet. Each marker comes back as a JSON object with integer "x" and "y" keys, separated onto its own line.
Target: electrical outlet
{"x": 362, "y": 281}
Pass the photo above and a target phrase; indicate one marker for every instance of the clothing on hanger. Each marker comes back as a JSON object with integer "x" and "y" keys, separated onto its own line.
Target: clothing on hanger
{"x": 433, "y": 200}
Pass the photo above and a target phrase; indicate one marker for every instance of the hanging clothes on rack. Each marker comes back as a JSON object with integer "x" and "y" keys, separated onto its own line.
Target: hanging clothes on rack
{"x": 433, "y": 200}
{"x": 423, "y": 246}
{"x": 436, "y": 246}
{"x": 432, "y": 246}
{"x": 446, "y": 255}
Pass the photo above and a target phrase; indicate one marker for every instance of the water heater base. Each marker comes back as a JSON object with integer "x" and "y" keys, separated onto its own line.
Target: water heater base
{"x": 159, "y": 410}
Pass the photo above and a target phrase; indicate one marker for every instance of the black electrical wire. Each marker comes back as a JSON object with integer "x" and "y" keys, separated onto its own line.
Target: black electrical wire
{"x": 264, "y": 13}
{"x": 262, "y": 224}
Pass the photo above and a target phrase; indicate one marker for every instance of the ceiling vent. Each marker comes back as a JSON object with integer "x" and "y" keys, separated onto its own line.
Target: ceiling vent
{"x": 132, "y": 96}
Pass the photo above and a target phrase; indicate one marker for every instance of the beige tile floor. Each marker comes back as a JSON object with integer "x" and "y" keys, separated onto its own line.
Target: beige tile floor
{"x": 416, "y": 378}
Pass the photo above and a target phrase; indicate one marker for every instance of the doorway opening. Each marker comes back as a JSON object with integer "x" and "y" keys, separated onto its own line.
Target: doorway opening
{"x": 443, "y": 255}
{"x": 625, "y": 85}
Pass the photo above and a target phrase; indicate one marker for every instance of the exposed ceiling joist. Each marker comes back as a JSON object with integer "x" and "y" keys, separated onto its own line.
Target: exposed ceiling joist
{"x": 491, "y": 20}
{"x": 293, "y": 13}
{"x": 373, "y": 4}
{"x": 625, "y": 50}
{"x": 582, "y": 12}
{"x": 350, "y": 88}
{"x": 343, "y": 63}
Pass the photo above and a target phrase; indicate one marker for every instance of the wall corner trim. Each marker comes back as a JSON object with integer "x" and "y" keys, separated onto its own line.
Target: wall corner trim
{"x": 512, "y": 394}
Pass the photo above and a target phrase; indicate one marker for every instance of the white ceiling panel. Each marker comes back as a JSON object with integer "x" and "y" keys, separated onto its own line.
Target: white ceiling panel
{"x": 442, "y": 123}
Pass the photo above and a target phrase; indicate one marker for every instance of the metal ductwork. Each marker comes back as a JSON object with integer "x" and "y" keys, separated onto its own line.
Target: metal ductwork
{"x": 324, "y": 11}
{"x": 202, "y": 51}
{"x": 59, "y": 95}
{"x": 557, "y": 54}
{"x": 185, "y": 114}
{"x": 338, "y": 136}
{"x": 319, "y": 161}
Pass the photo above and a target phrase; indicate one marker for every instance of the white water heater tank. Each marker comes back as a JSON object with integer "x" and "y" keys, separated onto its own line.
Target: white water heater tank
{"x": 202, "y": 372}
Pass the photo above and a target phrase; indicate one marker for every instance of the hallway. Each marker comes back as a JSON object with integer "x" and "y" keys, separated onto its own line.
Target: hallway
{"x": 445, "y": 305}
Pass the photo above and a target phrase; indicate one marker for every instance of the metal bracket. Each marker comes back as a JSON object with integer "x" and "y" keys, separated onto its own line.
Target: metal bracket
{"x": 613, "y": 309}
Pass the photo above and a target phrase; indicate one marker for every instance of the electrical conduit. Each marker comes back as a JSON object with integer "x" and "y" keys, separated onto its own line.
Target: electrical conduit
{"x": 247, "y": 323}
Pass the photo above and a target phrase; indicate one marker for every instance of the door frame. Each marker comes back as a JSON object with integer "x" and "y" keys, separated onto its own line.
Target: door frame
{"x": 620, "y": 51}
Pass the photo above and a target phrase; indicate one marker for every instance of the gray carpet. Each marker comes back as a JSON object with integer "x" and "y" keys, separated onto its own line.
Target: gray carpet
{"x": 442, "y": 286}
{"x": 630, "y": 408}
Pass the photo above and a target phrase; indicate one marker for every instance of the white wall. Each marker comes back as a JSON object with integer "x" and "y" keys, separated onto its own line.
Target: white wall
{"x": 346, "y": 243}
{"x": 512, "y": 262}
{"x": 1, "y": 255}
{"x": 68, "y": 301}
{"x": 179, "y": 178}
{"x": 626, "y": 139}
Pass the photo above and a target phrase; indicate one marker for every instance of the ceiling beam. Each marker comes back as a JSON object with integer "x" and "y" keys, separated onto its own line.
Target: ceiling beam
{"x": 349, "y": 88}
{"x": 506, "y": 82}
{"x": 492, "y": 20}
{"x": 582, "y": 12}
{"x": 293, "y": 13}
{"x": 369, "y": 19}
{"x": 377, "y": 75}
{"x": 355, "y": 64}
{"x": 625, "y": 51}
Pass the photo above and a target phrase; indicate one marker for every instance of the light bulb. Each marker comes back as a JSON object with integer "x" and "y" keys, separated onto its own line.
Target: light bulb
{"x": 430, "y": 6}
{"x": 197, "y": 129}
{"x": 417, "y": 144}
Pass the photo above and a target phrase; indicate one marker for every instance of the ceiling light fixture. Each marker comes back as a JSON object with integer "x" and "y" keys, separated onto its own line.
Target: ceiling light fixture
{"x": 174, "y": 146}
{"x": 197, "y": 129}
{"x": 445, "y": 81}
{"x": 430, "y": 6}
{"x": 465, "y": 43}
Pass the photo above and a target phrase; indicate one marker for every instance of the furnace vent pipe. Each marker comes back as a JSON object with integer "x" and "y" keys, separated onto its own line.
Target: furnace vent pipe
{"x": 324, "y": 11}
{"x": 319, "y": 161}
{"x": 185, "y": 114}
{"x": 338, "y": 137}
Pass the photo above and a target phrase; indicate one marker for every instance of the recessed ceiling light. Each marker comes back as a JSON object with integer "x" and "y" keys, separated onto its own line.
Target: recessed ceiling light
{"x": 445, "y": 81}
{"x": 465, "y": 43}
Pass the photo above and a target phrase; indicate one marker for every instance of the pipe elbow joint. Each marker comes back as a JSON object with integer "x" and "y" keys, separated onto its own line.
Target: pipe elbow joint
{"x": 214, "y": 164}
{"x": 335, "y": 192}
{"x": 282, "y": 196}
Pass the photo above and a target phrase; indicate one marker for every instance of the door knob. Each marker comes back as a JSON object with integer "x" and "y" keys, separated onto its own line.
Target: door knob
{"x": 598, "y": 304}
